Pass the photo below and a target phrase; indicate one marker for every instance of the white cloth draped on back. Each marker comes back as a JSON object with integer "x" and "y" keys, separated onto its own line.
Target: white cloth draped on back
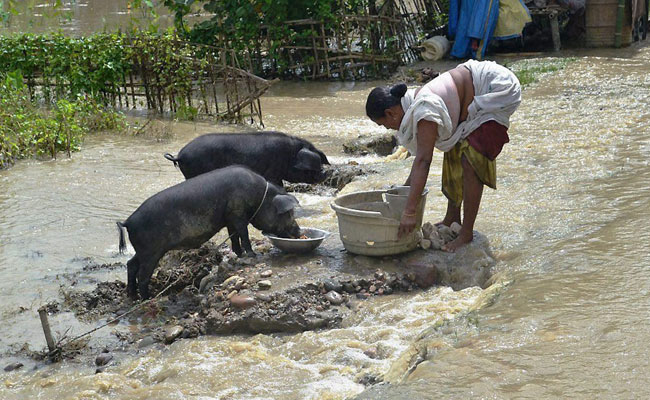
{"x": 497, "y": 95}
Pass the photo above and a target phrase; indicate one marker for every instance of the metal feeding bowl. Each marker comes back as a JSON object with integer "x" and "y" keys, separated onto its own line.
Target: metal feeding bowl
{"x": 314, "y": 238}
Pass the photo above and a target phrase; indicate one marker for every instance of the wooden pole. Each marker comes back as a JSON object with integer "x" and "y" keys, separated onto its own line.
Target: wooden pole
{"x": 324, "y": 42}
{"x": 42, "y": 312}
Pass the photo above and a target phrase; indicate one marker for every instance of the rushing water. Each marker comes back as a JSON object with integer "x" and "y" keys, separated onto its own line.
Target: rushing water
{"x": 568, "y": 225}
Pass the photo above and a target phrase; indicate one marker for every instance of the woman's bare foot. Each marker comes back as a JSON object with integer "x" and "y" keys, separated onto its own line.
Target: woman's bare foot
{"x": 463, "y": 238}
{"x": 447, "y": 221}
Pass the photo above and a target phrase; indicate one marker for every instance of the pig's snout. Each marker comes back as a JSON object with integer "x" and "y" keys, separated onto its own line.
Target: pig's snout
{"x": 293, "y": 231}
{"x": 321, "y": 176}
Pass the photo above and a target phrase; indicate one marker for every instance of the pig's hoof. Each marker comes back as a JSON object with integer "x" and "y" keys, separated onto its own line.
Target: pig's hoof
{"x": 249, "y": 254}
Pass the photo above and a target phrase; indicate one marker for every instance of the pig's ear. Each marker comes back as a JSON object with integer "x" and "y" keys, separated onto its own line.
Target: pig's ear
{"x": 284, "y": 203}
{"x": 307, "y": 160}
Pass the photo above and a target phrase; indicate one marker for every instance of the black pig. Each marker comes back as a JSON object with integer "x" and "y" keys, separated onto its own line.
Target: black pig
{"x": 186, "y": 215}
{"x": 274, "y": 155}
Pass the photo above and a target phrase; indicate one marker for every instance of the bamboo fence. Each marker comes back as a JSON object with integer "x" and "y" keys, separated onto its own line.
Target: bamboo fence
{"x": 219, "y": 85}
{"x": 366, "y": 45}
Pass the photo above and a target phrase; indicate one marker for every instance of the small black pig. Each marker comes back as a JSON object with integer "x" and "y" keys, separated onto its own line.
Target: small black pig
{"x": 274, "y": 155}
{"x": 186, "y": 215}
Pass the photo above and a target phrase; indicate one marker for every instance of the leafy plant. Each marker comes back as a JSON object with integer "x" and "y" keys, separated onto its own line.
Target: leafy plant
{"x": 27, "y": 129}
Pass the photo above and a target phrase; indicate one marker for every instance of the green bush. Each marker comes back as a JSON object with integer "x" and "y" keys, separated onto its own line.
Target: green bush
{"x": 27, "y": 129}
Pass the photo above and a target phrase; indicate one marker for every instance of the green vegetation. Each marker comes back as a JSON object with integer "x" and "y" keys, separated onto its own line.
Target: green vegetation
{"x": 260, "y": 28}
{"x": 75, "y": 81}
{"x": 84, "y": 66}
{"x": 27, "y": 129}
{"x": 242, "y": 22}
{"x": 96, "y": 65}
{"x": 529, "y": 71}
{"x": 289, "y": 38}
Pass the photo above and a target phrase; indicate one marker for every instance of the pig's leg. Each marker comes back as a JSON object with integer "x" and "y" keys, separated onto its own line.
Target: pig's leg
{"x": 242, "y": 230}
{"x": 234, "y": 239}
{"x": 132, "y": 267}
{"x": 145, "y": 272}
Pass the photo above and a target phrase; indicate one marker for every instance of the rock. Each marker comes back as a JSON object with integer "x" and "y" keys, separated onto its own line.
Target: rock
{"x": 424, "y": 275}
{"x": 242, "y": 302}
{"x": 264, "y": 285}
{"x": 425, "y": 244}
{"x": 208, "y": 281}
{"x": 382, "y": 145}
{"x": 231, "y": 294}
{"x": 146, "y": 342}
{"x": 437, "y": 242}
{"x": 263, "y": 297}
{"x": 172, "y": 333}
{"x": 446, "y": 233}
{"x": 371, "y": 352}
{"x": 339, "y": 175}
{"x": 13, "y": 366}
{"x": 332, "y": 285}
{"x": 230, "y": 279}
{"x": 334, "y": 297}
{"x": 427, "y": 229}
{"x": 439, "y": 235}
{"x": 240, "y": 283}
{"x": 349, "y": 287}
{"x": 266, "y": 274}
{"x": 103, "y": 359}
{"x": 100, "y": 370}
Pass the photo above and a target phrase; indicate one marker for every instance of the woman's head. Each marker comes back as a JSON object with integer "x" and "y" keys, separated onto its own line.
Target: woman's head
{"x": 384, "y": 105}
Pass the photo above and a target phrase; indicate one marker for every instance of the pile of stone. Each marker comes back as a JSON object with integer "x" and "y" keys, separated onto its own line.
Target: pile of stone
{"x": 436, "y": 236}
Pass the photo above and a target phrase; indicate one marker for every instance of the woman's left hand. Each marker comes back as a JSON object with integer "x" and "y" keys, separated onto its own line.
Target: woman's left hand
{"x": 406, "y": 225}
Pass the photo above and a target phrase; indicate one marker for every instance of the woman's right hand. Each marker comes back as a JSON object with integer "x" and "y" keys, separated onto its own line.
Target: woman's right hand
{"x": 406, "y": 224}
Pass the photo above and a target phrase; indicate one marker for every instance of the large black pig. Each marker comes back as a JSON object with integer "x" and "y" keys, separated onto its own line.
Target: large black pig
{"x": 274, "y": 155}
{"x": 188, "y": 214}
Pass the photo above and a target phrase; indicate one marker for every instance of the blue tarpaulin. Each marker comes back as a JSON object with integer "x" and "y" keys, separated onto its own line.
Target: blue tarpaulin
{"x": 476, "y": 20}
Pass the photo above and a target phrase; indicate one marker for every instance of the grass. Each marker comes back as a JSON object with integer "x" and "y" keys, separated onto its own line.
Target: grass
{"x": 531, "y": 70}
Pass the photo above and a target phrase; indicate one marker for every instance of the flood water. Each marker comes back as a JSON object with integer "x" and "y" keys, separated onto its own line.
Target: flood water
{"x": 568, "y": 225}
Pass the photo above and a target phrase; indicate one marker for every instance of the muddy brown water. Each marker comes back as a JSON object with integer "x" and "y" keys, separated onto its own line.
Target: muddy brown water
{"x": 568, "y": 225}
{"x": 78, "y": 17}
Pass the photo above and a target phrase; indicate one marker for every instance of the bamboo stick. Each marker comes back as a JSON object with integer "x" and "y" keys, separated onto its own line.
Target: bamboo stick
{"x": 42, "y": 312}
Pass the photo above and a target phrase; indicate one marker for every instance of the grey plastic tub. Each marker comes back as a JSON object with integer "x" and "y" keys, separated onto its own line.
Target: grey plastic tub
{"x": 369, "y": 221}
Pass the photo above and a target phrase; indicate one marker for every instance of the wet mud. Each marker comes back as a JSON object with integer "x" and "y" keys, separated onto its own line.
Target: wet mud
{"x": 337, "y": 176}
{"x": 211, "y": 291}
{"x": 382, "y": 145}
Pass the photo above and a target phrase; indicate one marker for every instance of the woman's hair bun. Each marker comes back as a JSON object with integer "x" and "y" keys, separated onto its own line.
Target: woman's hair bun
{"x": 398, "y": 90}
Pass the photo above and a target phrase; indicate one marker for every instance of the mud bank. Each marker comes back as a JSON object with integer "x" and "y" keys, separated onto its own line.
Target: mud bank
{"x": 337, "y": 176}
{"x": 382, "y": 145}
{"x": 210, "y": 291}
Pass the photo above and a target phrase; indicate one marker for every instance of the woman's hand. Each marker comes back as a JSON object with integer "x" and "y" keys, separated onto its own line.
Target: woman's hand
{"x": 406, "y": 225}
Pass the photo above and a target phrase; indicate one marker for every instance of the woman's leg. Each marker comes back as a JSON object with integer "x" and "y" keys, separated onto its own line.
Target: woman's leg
{"x": 452, "y": 185}
{"x": 452, "y": 215}
{"x": 472, "y": 193}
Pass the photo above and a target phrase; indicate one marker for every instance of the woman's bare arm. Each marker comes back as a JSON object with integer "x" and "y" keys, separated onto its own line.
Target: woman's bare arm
{"x": 426, "y": 139}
